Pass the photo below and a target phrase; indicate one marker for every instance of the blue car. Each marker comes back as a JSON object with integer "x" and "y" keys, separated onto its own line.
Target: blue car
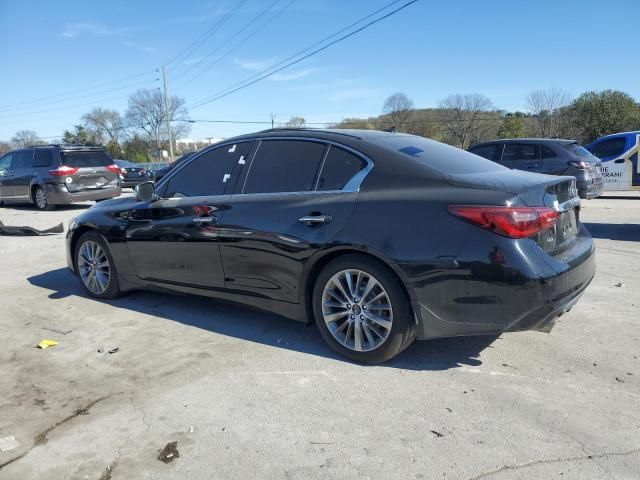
{"x": 619, "y": 155}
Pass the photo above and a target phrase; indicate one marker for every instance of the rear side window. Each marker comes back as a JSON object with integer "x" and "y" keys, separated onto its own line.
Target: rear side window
{"x": 22, "y": 159}
{"x": 611, "y": 147}
{"x": 546, "y": 152}
{"x": 284, "y": 166}
{"x": 578, "y": 150}
{"x": 519, "y": 151}
{"x": 86, "y": 159}
{"x": 339, "y": 167}
{"x": 491, "y": 152}
{"x": 208, "y": 174}
{"x": 43, "y": 158}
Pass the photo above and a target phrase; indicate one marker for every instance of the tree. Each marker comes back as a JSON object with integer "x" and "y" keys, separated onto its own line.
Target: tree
{"x": 146, "y": 113}
{"x": 24, "y": 138}
{"x": 397, "y": 108}
{"x": 463, "y": 119}
{"x": 512, "y": 126}
{"x": 295, "y": 122}
{"x": 5, "y": 147}
{"x": 106, "y": 125}
{"x": 547, "y": 106}
{"x": 79, "y": 136}
{"x": 596, "y": 114}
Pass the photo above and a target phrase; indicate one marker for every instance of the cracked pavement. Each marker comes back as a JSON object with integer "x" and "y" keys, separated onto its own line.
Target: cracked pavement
{"x": 248, "y": 394}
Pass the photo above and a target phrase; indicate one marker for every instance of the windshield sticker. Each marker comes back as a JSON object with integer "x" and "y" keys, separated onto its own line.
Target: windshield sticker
{"x": 232, "y": 149}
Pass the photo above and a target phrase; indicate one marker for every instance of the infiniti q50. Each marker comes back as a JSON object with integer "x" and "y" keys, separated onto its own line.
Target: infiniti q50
{"x": 378, "y": 237}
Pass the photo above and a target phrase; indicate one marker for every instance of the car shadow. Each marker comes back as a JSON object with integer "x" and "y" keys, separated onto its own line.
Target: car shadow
{"x": 262, "y": 327}
{"x": 627, "y": 232}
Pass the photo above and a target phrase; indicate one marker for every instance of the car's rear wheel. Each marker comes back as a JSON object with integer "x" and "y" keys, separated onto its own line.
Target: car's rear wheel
{"x": 95, "y": 266}
{"x": 40, "y": 199}
{"x": 362, "y": 310}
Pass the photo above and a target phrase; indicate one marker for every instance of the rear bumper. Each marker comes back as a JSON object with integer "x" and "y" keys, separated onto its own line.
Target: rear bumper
{"x": 132, "y": 182}
{"x": 486, "y": 299}
{"x": 59, "y": 195}
{"x": 590, "y": 190}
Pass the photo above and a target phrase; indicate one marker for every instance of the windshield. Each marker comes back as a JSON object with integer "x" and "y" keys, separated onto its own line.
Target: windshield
{"x": 81, "y": 159}
{"x": 436, "y": 155}
{"x": 578, "y": 150}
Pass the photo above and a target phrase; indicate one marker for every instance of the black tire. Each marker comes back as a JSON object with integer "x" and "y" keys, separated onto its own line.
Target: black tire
{"x": 44, "y": 203}
{"x": 113, "y": 288}
{"x": 403, "y": 329}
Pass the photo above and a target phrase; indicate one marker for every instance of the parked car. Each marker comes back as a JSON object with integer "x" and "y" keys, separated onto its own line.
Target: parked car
{"x": 619, "y": 155}
{"x": 50, "y": 175}
{"x": 131, "y": 174}
{"x": 161, "y": 172}
{"x": 550, "y": 156}
{"x": 379, "y": 237}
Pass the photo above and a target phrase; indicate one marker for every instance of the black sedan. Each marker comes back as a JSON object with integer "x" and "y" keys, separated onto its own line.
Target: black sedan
{"x": 547, "y": 155}
{"x": 131, "y": 174}
{"x": 379, "y": 237}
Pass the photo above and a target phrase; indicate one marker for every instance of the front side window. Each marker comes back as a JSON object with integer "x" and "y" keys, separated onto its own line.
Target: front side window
{"x": 519, "y": 151}
{"x": 43, "y": 158}
{"x": 284, "y": 166}
{"x": 5, "y": 162}
{"x": 609, "y": 148}
{"x": 491, "y": 152}
{"x": 339, "y": 167}
{"x": 22, "y": 159}
{"x": 208, "y": 174}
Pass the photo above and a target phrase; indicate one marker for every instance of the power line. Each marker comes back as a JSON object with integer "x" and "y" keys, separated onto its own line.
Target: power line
{"x": 262, "y": 75}
{"x": 26, "y": 102}
{"x": 215, "y": 50}
{"x": 193, "y": 46}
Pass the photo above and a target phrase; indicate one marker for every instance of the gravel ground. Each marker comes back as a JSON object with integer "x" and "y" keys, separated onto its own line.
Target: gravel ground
{"x": 247, "y": 394}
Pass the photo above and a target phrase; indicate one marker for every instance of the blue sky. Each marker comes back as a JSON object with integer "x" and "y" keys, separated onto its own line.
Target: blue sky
{"x": 503, "y": 49}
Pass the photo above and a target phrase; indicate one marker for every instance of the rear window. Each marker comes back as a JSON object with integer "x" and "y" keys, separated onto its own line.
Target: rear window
{"x": 86, "y": 159}
{"x": 436, "y": 155}
{"x": 578, "y": 150}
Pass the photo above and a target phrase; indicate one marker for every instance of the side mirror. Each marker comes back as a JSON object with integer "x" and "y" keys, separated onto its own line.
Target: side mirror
{"x": 146, "y": 192}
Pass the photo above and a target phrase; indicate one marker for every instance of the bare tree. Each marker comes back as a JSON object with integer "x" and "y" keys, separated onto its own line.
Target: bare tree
{"x": 103, "y": 122}
{"x": 5, "y": 147}
{"x": 463, "y": 118}
{"x": 24, "y": 138}
{"x": 397, "y": 108}
{"x": 295, "y": 122}
{"x": 146, "y": 113}
{"x": 547, "y": 106}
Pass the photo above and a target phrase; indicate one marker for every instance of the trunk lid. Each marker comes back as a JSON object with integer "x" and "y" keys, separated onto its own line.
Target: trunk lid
{"x": 534, "y": 190}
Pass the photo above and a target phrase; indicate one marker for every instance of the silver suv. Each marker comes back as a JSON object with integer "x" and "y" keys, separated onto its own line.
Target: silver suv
{"x": 50, "y": 175}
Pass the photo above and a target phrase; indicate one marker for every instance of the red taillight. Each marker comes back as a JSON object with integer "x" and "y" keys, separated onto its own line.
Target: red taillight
{"x": 113, "y": 168}
{"x": 63, "y": 171}
{"x": 581, "y": 165}
{"x": 514, "y": 222}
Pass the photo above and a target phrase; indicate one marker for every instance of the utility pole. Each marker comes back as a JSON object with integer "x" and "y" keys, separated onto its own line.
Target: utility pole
{"x": 167, "y": 112}
{"x": 272, "y": 119}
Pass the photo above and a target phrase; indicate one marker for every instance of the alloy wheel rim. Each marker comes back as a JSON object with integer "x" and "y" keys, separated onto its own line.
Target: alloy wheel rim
{"x": 357, "y": 310}
{"x": 41, "y": 200}
{"x": 94, "y": 267}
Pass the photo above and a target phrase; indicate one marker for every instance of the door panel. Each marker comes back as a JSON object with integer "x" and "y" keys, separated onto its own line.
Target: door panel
{"x": 176, "y": 241}
{"x": 5, "y": 173}
{"x": 19, "y": 182}
{"x": 264, "y": 244}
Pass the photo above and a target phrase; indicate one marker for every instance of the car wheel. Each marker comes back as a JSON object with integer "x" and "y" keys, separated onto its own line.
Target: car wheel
{"x": 362, "y": 309}
{"x": 40, "y": 199}
{"x": 95, "y": 266}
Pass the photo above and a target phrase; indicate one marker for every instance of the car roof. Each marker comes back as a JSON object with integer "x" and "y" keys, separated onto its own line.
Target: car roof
{"x": 537, "y": 141}
{"x": 620, "y": 134}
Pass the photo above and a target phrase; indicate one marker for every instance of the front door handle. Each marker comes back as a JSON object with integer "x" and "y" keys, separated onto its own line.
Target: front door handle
{"x": 202, "y": 220}
{"x": 310, "y": 220}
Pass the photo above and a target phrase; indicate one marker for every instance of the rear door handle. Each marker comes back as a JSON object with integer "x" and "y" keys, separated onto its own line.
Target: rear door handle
{"x": 310, "y": 220}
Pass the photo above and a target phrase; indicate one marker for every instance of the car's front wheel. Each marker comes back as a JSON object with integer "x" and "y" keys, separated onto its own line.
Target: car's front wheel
{"x": 95, "y": 266}
{"x": 362, "y": 310}
{"x": 40, "y": 199}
